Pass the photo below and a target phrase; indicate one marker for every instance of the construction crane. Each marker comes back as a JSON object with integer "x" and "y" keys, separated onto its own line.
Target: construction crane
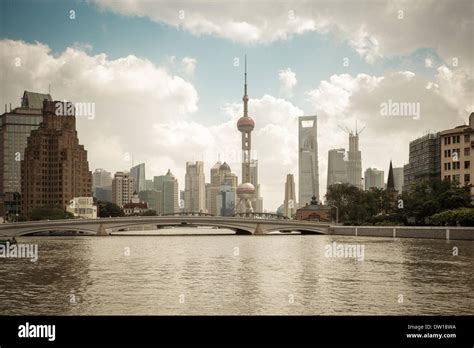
{"x": 350, "y": 132}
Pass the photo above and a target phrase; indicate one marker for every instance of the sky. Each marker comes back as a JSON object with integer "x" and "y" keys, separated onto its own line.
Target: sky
{"x": 166, "y": 77}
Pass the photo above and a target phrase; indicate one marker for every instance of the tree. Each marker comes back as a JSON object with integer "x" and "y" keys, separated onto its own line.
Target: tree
{"x": 429, "y": 197}
{"x": 149, "y": 213}
{"x": 49, "y": 213}
{"x": 109, "y": 209}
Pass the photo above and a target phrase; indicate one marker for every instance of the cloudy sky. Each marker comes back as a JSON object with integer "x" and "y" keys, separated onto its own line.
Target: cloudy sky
{"x": 166, "y": 77}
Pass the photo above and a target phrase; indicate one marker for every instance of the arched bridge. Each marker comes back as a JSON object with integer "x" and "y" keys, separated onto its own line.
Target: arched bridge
{"x": 104, "y": 226}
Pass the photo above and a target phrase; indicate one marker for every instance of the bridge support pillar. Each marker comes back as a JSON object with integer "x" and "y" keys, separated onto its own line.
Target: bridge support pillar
{"x": 258, "y": 230}
{"x": 102, "y": 231}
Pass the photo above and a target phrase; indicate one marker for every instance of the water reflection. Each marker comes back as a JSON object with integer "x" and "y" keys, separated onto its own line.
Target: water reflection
{"x": 268, "y": 275}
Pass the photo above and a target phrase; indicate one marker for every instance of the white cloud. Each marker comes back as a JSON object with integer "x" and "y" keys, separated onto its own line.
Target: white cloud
{"x": 373, "y": 31}
{"x": 444, "y": 103}
{"x": 189, "y": 65}
{"x": 288, "y": 81}
{"x": 428, "y": 62}
{"x": 129, "y": 93}
{"x": 143, "y": 111}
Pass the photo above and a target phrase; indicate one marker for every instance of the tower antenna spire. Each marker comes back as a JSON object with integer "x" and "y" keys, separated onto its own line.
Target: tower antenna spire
{"x": 245, "y": 98}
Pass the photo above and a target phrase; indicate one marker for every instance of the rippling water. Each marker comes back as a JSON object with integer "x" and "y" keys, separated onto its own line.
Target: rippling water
{"x": 237, "y": 275}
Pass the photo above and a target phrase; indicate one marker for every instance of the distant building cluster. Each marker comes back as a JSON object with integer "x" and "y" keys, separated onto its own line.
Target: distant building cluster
{"x": 43, "y": 164}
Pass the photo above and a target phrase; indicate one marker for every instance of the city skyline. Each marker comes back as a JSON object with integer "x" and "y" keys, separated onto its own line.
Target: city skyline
{"x": 190, "y": 99}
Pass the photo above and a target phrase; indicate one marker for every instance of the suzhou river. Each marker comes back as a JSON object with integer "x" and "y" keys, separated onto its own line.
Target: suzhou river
{"x": 228, "y": 274}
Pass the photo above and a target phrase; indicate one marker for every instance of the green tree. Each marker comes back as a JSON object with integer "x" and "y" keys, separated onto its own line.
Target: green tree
{"x": 149, "y": 213}
{"x": 109, "y": 209}
{"x": 49, "y": 213}
{"x": 429, "y": 197}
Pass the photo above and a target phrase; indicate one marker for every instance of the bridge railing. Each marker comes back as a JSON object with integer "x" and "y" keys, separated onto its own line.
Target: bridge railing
{"x": 260, "y": 215}
{"x": 187, "y": 213}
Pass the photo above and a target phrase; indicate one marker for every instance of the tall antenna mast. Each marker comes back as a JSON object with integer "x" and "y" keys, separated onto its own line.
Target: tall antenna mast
{"x": 245, "y": 98}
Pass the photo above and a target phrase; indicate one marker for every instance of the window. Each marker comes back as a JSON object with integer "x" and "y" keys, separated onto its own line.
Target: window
{"x": 456, "y": 165}
{"x": 467, "y": 178}
{"x": 467, "y": 164}
{"x": 467, "y": 138}
{"x": 467, "y": 151}
{"x": 456, "y": 178}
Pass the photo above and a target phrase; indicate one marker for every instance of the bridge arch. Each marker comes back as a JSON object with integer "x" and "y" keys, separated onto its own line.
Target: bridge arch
{"x": 34, "y": 230}
{"x": 238, "y": 228}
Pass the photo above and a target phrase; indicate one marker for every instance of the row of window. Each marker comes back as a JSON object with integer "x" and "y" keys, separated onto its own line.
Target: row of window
{"x": 456, "y": 139}
{"x": 448, "y": 153}
{"x": 457, "y": 177}
{"x": 457, "y": 165}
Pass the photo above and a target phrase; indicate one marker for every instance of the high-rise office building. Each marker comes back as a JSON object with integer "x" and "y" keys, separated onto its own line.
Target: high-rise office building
{"x": 354, "y": 160}
{"x": 149, "y": 185}
{"x": 101, "y": 178}
{"x": 122, "y": 188}
{"x": 195, "y": 187}
{"x": 15, "y": 128}
{"x": 457, "y": 154}
{"x": 226, "y": 200}
{"x": 55, "y": 168}
{"x": 398, "y": 178}
{"x": 167, "y": 185}
{"x": 138, "y": 174}
{"x": 289, "y": 204}
{"x": 423, "y": 160}
{"x": 102, "y": 185}
{"x": 337, "y": 167}
{"x": 308, "y": 185}
{"x": 214, "y": 188}
{"x": 208, "y": 197}
{"x": 374, "y": 178}
{"x": 221, "y": 174}
{"x": 257, "y": 201}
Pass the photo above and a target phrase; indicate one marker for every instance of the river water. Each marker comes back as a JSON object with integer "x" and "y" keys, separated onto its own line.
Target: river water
{"x": 228, "y": 274}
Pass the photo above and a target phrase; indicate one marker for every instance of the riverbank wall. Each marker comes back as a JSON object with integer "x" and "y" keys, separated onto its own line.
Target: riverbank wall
{"x": 447, "y": 233}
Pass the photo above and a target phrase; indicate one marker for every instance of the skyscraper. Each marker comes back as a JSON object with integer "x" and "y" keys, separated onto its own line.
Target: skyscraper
{"x": 214, "y": 188}
{"x": 257, "y": 202}
{"x": 308, "y": 185}
{"x": 398, "y": 179}
{"x": 245, "y": 125}
{"x": 195, "y": 187}
{"x": 122, "y": 188}
{"x": 55, "y": 168}
{"x": 337, "y": 167}
{"x": 290, "y": 197}
{"x": 138, "y": 174}
{"x": 15, "y": 128}
{"x": 101, "y": 178}
{"x": 167, "y": 185}
{"x": 354, "y": 164}
{"x": 102, "y": 185}
{"x": 374, "y": 178}
{"x": 423, "y": 160}
{"x": 221, "y": 174}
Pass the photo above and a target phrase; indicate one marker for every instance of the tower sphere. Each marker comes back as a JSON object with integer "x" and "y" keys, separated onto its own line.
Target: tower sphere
{"x": 246, "y": 190}
{"x": 245, "y": 124}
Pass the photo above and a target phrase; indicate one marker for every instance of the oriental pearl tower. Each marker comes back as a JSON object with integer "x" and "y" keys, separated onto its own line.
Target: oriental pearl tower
{"x": 245, "y": 125}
